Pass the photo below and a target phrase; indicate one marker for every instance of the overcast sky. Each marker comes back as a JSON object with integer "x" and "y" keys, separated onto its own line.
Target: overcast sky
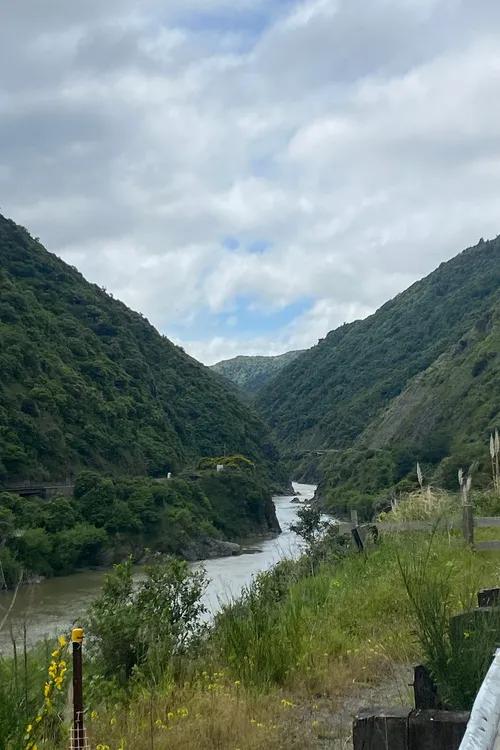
{"x": 250, "y": 174}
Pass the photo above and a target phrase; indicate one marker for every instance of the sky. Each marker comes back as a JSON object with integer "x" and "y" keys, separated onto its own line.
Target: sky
{"x": 250, "y": 174}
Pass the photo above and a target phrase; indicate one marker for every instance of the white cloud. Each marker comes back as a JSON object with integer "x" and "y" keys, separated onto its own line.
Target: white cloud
{"x": 357, "y": 139}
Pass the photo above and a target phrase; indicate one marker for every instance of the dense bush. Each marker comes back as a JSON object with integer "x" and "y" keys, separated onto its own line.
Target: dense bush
{"x": 87, "y": 383}
{"x": 328, "y": 395}
{"x": 107, "y": 520}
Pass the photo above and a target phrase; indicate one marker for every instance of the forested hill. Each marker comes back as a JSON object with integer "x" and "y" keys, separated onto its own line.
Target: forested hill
{"x": 86, "y": 382}
{"x": 329, "y": 395}
{"x": 251, "y": 373}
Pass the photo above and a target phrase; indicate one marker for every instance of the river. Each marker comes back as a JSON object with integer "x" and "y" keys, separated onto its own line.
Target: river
{"x": 53, "y": 606}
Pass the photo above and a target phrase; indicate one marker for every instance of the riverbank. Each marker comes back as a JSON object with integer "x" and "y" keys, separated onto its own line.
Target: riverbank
{"x": 109, "y": 520}
{"x": 52, "y": 606}
{"x": 287, "y": 665}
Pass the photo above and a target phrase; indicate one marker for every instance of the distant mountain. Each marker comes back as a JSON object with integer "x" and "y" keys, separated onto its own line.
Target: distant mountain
{"x": 251, "y": 373}
{"x": 87, "y": 383}
{"x": 418, "y": 380}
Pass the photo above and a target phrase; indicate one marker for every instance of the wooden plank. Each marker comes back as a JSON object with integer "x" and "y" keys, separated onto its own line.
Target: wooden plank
{"x": 381, "y": 729}
{"x": 437, "y": 730}
{"x": 345, "y": 528}
{"x": 487, "y": 521}
{"x": 488, "y": 597}
{"x": 452, "y": 523}
{"x": 424, "y": 689}
{"x": 485, "y": 546}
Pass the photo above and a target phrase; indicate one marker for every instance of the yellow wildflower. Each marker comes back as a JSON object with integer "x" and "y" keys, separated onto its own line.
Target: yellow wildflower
{"x": 94, "y": 715}
{"x": 112, "y": 721}
{"x": 62, "y": 641}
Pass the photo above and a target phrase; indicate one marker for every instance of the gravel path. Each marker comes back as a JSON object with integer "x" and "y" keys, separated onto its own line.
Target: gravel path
{"x": 322, "y": 725}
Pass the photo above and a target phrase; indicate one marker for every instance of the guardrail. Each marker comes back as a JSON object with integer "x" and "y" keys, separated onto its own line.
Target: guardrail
{"x": 482, "y": 731}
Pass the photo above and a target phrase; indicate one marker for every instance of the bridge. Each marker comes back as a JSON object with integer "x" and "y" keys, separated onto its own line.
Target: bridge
{"x": 45, "y": 491}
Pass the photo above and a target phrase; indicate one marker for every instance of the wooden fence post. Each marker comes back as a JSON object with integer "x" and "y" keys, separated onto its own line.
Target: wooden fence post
{"x": 78, "y": 734}
{"x": 468, "y": 523}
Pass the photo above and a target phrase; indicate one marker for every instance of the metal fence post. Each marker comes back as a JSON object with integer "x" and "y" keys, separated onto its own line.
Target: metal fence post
{"x": 78, "y": 738}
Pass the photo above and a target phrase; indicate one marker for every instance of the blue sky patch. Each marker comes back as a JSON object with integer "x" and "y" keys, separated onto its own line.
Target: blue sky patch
{"x": 243, "y": 320}
{"x": 259, "y": 246}
{"x": 231, "y": 243}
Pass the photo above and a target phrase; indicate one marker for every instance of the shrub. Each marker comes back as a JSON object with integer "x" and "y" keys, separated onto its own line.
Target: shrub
{"x": 141, "y": 629}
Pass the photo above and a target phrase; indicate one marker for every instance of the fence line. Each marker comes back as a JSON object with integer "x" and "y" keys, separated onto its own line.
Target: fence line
{"x": 467, "y": 524}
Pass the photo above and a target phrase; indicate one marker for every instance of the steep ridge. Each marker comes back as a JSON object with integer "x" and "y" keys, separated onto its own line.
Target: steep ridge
{"x": 327, "y": 397}
{"x": 252, "y": 373}
{"x": 443, "y": 420}
{"x": 86, "y": 382}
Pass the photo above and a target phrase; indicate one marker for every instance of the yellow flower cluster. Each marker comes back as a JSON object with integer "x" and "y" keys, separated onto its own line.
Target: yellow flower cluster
{"x": 57, "y": 669}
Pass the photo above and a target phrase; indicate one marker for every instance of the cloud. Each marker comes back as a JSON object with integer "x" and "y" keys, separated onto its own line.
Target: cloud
{"x": 192, "y": 154}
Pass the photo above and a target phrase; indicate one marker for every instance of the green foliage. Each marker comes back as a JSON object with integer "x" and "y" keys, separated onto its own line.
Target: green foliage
{"x": 329, "y": 395}
{"x": 21, "y": 694}
{"x": 140, "y": 629}
{"x": 417, "y": 381}
{"x": 251, "y": 373}
{"x": 109, "y": 519}
{"x": 309, "y": 525}
{"x": 457, "y": 655}
{"x": 231, "y": 462}
{"x": 87, "y": 383}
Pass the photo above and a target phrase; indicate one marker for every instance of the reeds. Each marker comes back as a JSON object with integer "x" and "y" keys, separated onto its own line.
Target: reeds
{"x": 495, "y": 461}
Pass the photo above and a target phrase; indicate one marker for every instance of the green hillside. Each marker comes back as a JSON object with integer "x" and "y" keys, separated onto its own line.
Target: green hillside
{"x": 87, "y": 383}
{"x": 329, "y": 395}
{"x": 251, "y": 373}
{"x": 417, "y": 381}
{"x": 443, "y": 420}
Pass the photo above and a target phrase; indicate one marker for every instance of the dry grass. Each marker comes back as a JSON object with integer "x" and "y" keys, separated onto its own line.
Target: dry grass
{"x": 425, "y": 503}
{"x": 222, "y": 716}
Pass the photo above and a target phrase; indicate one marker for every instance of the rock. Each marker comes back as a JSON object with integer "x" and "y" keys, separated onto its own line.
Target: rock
{"x": 295, "y": 500}
{"x": 208, "y": 548}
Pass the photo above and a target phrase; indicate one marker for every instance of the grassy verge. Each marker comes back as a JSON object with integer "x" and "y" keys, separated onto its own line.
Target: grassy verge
{"x": 296, "y": 642}
{"x": 293, "y": 647}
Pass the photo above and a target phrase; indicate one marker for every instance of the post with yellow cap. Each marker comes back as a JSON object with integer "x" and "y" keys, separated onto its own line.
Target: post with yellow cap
{"x": 78, "y": 728}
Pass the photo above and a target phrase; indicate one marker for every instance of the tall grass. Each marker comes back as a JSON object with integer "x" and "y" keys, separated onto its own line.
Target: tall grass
{"x": 495, "y": 461}
{"x": 22, "y": 679}
{"x": 299, "y": 640}
{"x": 458, "y": 652}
